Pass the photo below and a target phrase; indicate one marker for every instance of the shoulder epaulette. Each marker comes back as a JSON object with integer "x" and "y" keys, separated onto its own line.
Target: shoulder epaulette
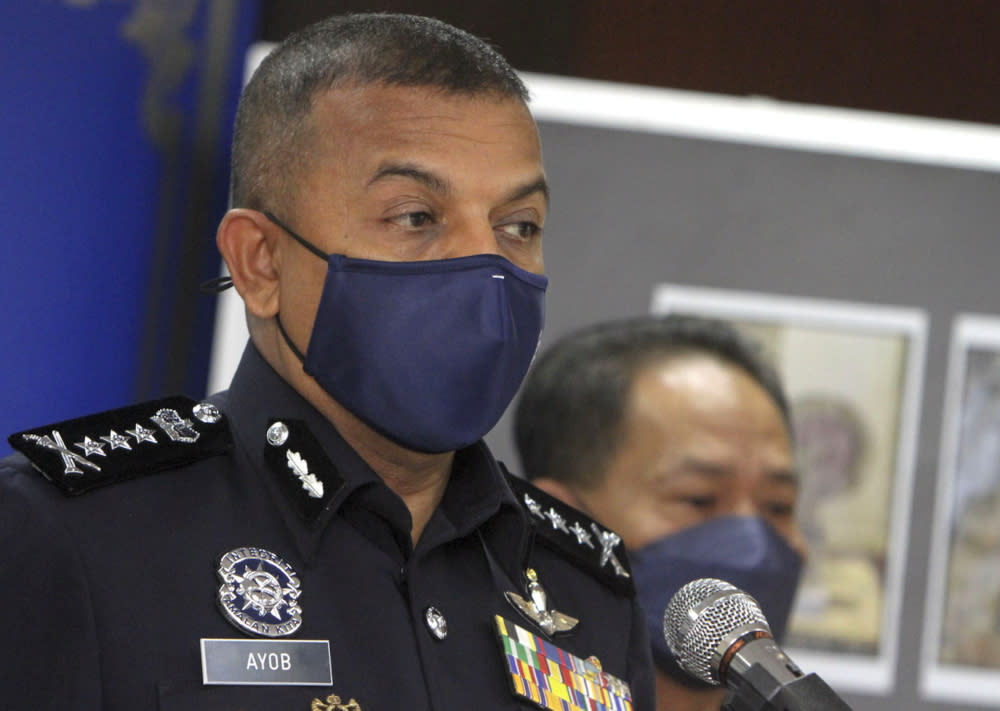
{"x": 575, "y": 535}
{"x": 93, "y": 451}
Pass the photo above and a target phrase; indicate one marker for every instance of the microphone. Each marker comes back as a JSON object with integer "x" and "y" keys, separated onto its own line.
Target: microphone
{"x": 719, "y": 635}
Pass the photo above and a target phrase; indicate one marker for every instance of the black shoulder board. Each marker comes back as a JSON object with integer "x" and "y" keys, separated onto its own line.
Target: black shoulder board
{"x": 88, "y": 452}
{"x": 575, "y": 535}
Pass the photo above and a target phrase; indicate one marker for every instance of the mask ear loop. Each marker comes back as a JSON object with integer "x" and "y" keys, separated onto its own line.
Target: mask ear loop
{"x": 216, "y": 285}
{"x": 221, "y": 283}
{"x": 301, "y": 240}
{"x": 288, "y": 340}
{"x": 312, "y": 248}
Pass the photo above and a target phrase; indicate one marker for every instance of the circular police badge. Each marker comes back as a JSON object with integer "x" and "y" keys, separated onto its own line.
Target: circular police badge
{"x": 259, "y": 592}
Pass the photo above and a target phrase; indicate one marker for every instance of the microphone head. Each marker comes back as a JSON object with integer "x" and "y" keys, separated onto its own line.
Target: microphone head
{"x": 704, "y": 619}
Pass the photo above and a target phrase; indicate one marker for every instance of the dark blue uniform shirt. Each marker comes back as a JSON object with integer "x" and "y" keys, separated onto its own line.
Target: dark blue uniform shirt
{"x": 106, "y": 596}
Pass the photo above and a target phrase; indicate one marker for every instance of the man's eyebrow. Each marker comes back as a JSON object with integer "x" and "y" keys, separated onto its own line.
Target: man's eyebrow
{"x": 693, "y": 465}
{"x": 785, "y": 476}
{"x": 528, "y": 189}
{"x": 779, "y": 476}
{"x": 413, "y": 172}
{"x": 439, "y": 185}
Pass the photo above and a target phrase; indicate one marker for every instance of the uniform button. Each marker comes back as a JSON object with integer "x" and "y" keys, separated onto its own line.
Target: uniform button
{"x": 277, "y": 434}
{"x": 436, "y": 622}
{"x": 207, "y": 413}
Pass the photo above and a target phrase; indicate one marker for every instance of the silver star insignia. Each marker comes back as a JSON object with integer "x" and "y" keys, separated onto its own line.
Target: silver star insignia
{"x": 534, "y": 507}
{"x": 117, "y": 441}
{"x": 557, "y": 520}
{"x": 609, "y": 540}
{"x": 142, "y": 434}
{"x": 89, "y": 447}
{"x": 582, "y": 536}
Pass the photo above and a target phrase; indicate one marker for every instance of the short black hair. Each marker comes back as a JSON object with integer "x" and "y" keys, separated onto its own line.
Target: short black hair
{"x": 360, "y": 49}
{"x": 569, "y": 418}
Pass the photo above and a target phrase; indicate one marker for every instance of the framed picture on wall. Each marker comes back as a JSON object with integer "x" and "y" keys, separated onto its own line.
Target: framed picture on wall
{"x": 853, "y": 375}
{"x": 961, "y": 651}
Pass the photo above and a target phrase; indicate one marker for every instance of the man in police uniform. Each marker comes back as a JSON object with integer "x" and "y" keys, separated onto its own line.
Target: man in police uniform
{"x": 331, "y": 533}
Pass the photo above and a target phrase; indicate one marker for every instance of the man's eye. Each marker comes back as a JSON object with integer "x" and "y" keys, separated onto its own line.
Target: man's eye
{"x": 413, "y": 220}
{"x": 521, "y": 230}
{"x": 702, "y": 503}
{"x": 779, "y": 509}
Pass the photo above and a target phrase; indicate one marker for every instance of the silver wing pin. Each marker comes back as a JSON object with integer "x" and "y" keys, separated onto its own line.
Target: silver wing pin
{"x": 536, "y": 609}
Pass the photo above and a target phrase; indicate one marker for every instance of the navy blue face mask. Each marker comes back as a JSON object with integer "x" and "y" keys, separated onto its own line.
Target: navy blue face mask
{"x": 743, "y": 550}
{"x": 429, "y": 354}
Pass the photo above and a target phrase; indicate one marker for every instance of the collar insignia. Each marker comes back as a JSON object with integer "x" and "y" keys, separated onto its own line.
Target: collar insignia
{"x": 259, "y": 593}
{"x": 553, "y": 678}
{"x": 536, "y": 608}
{"x": 301, "y": 467}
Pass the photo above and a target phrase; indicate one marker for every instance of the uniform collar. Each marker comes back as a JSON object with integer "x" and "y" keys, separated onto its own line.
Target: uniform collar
{"x": 313, "y": 472}
{"x": 479, "y": 502}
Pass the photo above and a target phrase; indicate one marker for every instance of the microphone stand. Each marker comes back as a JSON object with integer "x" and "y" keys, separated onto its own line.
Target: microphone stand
{"x": 757, "y": 689}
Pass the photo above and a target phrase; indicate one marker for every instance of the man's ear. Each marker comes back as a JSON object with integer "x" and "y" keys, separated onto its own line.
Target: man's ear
{"x": 246, "y": 241}
{"x": 558, "y": 489}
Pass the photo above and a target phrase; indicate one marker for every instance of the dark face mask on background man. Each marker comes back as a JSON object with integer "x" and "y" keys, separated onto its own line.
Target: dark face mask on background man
{"x": 745, "y": 551}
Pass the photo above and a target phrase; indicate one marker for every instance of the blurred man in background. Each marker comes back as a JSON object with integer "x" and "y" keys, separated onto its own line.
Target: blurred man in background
{"x": 675, "y": 433}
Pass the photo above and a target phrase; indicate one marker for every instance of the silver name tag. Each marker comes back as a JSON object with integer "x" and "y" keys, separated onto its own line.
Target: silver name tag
{"x": 289, "y": 662}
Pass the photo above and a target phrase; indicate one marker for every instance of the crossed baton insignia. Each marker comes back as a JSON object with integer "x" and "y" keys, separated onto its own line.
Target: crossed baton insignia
{"x": 70, "y": 459}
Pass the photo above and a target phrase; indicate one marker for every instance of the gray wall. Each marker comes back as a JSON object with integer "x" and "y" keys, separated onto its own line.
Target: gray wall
{"x": 630, "y": 211}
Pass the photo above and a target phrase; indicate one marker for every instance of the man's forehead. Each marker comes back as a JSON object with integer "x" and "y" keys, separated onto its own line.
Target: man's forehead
{"x": 422, "y": 101}
{"x": 390, "y": 122}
